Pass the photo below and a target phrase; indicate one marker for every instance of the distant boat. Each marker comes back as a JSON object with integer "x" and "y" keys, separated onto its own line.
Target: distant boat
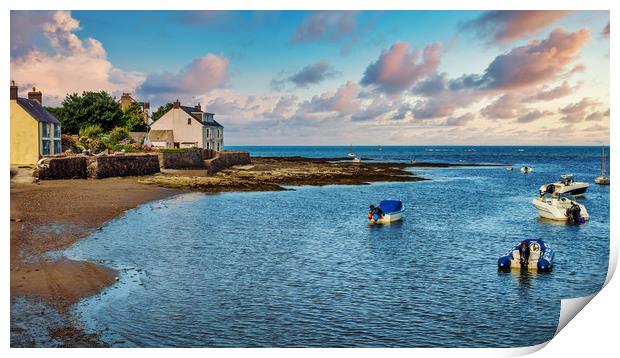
{"x": 520, "y": 150}
{"x": 351, "y": 154}
{"x": 413, "y": 161}
{"x": 357, "y": 159}
{"x": 509, "y": 168}
{"x": 565, "y": 185}
{"x": 388, "y": 211}
{"x": 526, "y": 169}
{"x": 602, "y": 179}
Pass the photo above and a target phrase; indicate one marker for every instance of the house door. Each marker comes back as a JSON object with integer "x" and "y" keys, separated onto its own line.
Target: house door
{"x": 176, "y": 144}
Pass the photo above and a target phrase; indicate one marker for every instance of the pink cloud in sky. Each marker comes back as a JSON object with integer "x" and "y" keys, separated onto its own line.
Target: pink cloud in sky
{"x": 503, "y": 27}
{"x": 397, "y": 69}
{"x": 75, "y": 65}
{"x": 538, "y": 61}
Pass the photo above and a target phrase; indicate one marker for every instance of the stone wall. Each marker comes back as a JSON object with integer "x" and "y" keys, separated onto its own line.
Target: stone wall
{"x": 62, "y": 168}
{"x": 227, "y": 159}
{"x": 122, "y": 165}
{"x": 181, "y": 158}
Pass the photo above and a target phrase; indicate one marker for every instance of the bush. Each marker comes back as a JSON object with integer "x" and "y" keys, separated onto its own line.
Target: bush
{"x": 118, "y": 135}
{"x": 91, "y": 131}
{"x": 70, "y": 142}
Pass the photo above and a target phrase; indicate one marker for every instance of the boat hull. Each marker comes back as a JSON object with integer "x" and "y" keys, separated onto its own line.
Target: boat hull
{"x": 541, "y": 257}
{"x": 389, "y": 218}
{"x": 555, "y": 209}
{"x": 602, "y": 180}
{"x": 576, "y": 189}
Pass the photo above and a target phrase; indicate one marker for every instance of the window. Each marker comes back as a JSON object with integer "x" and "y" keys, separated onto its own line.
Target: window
{"x": 57, "y": 146}
{"x": 208, "y": 132}
{"x": 45, "y": 130}
{"x": 56, "y": 130}
{"x": 189, "y": 121}
{"x": 46, "y": 146}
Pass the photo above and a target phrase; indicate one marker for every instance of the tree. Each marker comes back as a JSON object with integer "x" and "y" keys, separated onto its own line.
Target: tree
{"x": 57, "y": 112}
{"x": 90, "y": 108}
{"x": 133, "y": 118}
{"x": 161, "y": 111}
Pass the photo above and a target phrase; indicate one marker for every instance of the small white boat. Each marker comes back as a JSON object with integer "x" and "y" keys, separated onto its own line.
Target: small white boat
{"x": 602, "y": 179}
{"x": 509, "y": 169}
{"x": 388, "y": 211}
{"x": 560, "y": 208}
{"x": 526, "y": 169}
{"x": 413, "y": 161}
{"x": 565, "y": 185}
{"x": 351, "y": 154}
{"x": 357, "y": 159}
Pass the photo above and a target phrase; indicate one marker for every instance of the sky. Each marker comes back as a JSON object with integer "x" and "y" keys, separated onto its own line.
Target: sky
{"x": 338, "y": 77}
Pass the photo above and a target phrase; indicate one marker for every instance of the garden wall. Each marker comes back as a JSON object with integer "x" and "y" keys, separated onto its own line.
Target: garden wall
{"x": 62, "y": 168}
{"x": 180, "y": 158}
{"x": 227, "y": 159}
{"x": 122, "y": 165}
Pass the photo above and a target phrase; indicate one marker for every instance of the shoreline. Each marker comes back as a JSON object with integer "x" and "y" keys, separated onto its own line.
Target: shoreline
{"x": 51, "y": 216}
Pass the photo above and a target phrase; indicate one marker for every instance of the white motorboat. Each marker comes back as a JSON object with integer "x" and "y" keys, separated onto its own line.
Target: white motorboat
{"x": 357, "y": 159}
{"x": 388, "y": 211}
{"x": 565, "y": 185}
{"x": 560, "y": 208}
{"x": 509, "y": 169}
{"x": 602, "y": 179}
{"x": 526, "y": 169}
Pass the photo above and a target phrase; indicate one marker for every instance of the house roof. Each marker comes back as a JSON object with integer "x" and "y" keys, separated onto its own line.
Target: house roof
{"x": 161, "y": 135}
{"x": 36, "y": 110}
{"x": 193, "y": 112}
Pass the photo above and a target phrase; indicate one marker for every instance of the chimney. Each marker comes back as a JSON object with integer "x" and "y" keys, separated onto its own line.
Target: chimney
{"x": 13, "y": 91}
{"x": 197, "y": 107}
{"x": 36, "y": 95}
{"x": 146, "y": 106}
{"x": 176, "y": 104}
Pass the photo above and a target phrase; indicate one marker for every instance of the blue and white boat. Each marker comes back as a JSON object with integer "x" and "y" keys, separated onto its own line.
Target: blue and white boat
{"x": 388, "y": 211}
{"x": 540, "y": 256}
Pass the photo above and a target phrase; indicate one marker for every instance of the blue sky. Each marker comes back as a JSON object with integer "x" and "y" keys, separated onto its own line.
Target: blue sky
{"x": 282, "y": 77}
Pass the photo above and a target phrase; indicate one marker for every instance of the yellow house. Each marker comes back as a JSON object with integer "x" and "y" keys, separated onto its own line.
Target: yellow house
{"x": 35, "y": 133}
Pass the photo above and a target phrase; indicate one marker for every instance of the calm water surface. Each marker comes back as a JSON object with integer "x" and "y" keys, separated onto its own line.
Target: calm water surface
{"x": 303, "y": 268}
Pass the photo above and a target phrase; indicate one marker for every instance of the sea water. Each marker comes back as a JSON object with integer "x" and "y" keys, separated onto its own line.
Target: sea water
{"x": 303, "y": 268}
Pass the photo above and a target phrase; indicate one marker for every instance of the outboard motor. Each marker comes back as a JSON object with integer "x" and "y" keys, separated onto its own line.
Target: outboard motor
{"x": 524, "y": 254}
{"x": 574, "y": 214}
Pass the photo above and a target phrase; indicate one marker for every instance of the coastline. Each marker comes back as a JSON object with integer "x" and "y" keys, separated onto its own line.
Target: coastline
{"x": 53, "y": 215}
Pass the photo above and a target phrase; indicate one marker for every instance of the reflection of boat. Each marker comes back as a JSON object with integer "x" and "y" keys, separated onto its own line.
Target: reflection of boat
{"x": 539, "y": 256}
{"x": 561, "y": 208}
{"x": 602, "y": 179}
{"x": 565, "y": 185}
{"x": 386, "y": 212}
{"x": 526, "y": 169}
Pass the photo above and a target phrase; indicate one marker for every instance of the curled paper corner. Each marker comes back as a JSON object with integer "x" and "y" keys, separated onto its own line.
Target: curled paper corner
{"x": 570, "y": 307}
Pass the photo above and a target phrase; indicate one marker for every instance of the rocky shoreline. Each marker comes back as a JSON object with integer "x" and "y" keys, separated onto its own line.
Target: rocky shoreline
{"x": 50, "y": 216}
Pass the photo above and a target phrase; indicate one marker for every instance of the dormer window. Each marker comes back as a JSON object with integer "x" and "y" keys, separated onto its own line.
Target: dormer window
{"x": 189, "y": 121}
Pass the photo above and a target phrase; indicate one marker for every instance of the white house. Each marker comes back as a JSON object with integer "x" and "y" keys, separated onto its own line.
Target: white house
{"x": 187, "y": 127}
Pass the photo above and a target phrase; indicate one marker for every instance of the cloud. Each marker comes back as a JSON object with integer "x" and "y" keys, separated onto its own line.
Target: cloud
{"x": 505, "y": 107}
{"x": 460, "y": 120}
{"x": 374, "y": 111}
{"x": 309, "y": 75}
{"x": 533, "y": 115}
{"x": 285, "y": 107}
{"x": 598, "y": 115}
{"x": 549, "y": 94}
{"x": 344, "y": 100}
{"x": 536, "y": 62}
{"x": 73, "y": 65}
{"x": 502, "y": 27}
{"x": 605, "y": 31}
{"x": 27, "y": 29}
{"x": 397, "y": 69}
{"x": 202, "y": 75}
{"x": 577, "y": 112}
{"x": 432, "y": 85}
{"x": 332, "y": 26}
